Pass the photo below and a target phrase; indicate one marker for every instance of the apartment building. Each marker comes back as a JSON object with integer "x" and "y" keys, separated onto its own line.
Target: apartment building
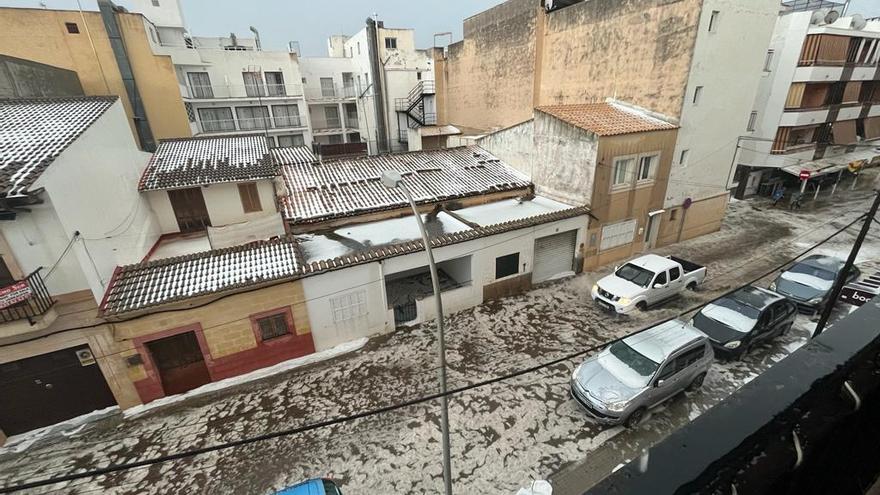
{"x": 110, "y": 53}
{"x": 698, "y": 62}
{"x": 817, "y": 111}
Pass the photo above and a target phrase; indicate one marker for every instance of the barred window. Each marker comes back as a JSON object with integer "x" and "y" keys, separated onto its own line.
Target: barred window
{"x": 274, "y": 326}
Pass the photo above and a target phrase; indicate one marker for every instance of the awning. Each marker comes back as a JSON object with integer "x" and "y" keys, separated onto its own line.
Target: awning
{"x": 834, "y": 164}
{"x": 439, "y": 130}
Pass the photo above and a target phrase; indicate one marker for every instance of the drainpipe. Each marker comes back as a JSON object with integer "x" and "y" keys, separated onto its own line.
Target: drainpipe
{"x": 378, "y": 86}
{"x": 139, "y": 114}
{"x": 257, "y": 38}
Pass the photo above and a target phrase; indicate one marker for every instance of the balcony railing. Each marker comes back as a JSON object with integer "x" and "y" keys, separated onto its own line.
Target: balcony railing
{"x": 331, "y": 93}
{"x": 351, "y": 122}
{"x": 25, "y": 299}
{"x": 250, "y": 124}
{"x": 221, "y": 91}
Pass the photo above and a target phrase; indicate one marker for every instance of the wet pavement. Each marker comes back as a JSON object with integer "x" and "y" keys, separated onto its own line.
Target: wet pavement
{"x": 503, "y": 434}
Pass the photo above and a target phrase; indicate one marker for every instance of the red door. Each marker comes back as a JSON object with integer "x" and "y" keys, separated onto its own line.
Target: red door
{"x": 180, "y": 362}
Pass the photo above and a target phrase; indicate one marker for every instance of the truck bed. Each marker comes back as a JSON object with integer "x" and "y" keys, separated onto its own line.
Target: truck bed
{"x": 687, "y": 266}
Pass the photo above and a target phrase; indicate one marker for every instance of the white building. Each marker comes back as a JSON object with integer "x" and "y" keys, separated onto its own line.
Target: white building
{"x": 72, "y": 210}
{"x": 818, "y": 102}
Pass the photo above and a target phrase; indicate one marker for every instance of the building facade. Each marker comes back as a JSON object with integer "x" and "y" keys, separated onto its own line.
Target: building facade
{"x": 518, "y": 56}
{"x": 818, "y": 106}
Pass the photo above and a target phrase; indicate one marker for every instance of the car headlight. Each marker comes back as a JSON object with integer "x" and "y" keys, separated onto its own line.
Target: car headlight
{"x": 595, "y": 287}
{"x": 733, "y": 345}
{"x": 574, "y": 374}
{"x": 773, "y": 285}
{"x": 624, "y": 301}
{"x": 616, "y": 406}
{"x": 815, "y": 300}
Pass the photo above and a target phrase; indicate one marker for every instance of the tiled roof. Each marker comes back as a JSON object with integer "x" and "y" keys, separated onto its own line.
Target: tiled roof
{"x": 208, "y": 160}
{"x": 150, "y": 284}
{"x": 318, "y": 192}
{"x": 297, "y": 154}
{"x": 164, "y": 281}
{"x": 607, "y": 119}
{"x": 33, "y": 132}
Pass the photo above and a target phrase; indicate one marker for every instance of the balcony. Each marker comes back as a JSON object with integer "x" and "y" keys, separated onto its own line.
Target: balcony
{"x": 245, "y": 125}
{"x": 331, "y": 93}
{"x": 243, "y": 91}
{"x": 26, "y": 299}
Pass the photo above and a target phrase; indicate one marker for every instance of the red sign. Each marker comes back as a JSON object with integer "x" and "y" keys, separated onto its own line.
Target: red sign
{"x": 14, "y": 294}
{"x": 804, "y": 175}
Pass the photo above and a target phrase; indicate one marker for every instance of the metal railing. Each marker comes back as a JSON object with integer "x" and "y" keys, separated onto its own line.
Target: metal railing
{"x": 251, "y": 124}
{"x": 331, "y": 93}
{"x": 221, "y": 91}
{"x": 37, "y": 301}
{"x": 351, "y": 122}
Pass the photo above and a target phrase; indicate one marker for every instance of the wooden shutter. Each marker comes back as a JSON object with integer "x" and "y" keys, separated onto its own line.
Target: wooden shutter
{"x": 844, "y": 132}
{"x": 832, "y": 50}
{"x": 872, "y": 128}
{"x": 810, "y": 50}
{"x": 852, "y": 91}
{"x": 781, "y": 141}
{"x": 795, "y": 95}
{"x": 250, "y": 197}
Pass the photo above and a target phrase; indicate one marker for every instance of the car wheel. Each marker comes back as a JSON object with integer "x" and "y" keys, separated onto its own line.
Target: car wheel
{"x": 697, "y": 383}
{"x": 635, "y": 418}
{"x": 692, "y": 286}
{"x": 641, "y": 305}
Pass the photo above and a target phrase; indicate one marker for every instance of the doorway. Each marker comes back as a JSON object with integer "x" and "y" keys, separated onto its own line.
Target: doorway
{"x": 189, "y": 209}
{"x": 179, "y": 362}
{"x": 652, "y": 230}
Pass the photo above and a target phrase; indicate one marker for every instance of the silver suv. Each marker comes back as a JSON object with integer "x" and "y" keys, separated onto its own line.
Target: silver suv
{"x": 619, "y": 384}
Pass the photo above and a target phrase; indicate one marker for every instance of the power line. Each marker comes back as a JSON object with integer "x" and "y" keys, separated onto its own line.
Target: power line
{"x": 399, "y": 405}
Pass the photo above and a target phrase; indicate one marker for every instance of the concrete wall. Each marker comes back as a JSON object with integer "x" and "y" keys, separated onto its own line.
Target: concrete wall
{"x": 703, "y": 217}
{"x": 222, "y": 201}
{"x": 25, "y": 79}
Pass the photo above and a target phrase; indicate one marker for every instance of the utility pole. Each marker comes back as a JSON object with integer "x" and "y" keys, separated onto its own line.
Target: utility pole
{"x": 841, "y": 277}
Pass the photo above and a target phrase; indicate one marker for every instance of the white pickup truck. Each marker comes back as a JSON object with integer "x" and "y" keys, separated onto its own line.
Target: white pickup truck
{"x": 646, "y": 281}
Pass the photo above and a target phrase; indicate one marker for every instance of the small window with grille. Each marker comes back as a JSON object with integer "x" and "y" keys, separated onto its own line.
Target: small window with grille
{"x": 273, "y": 326}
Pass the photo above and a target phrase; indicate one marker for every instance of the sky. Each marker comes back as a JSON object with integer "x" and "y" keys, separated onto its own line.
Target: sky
{"x": 312, "y": 22}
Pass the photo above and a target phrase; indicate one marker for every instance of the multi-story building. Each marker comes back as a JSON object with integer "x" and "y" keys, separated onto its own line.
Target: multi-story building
{"x": 230, "y": 85}
{"x": 698, "y": 62}
{"x": 818, "y": 105}
{"x": 110, "y": 53}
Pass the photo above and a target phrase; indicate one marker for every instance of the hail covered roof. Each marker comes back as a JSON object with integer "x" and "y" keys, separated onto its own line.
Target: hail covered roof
{"x": 168, "y": 280}
{"x": 208, "y": 160}
{"x": 607, "y": 119}
{"x": 323, "y": 191}
{"x": 34, "y": 132}
{"x": 295, "y": 154}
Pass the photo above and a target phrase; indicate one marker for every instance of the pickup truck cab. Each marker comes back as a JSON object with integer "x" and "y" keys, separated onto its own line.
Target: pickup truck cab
{"x": 646, "y": 281}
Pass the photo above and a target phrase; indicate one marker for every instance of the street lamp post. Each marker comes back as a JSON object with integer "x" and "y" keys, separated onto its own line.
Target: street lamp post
{"x": 392, "y": 179}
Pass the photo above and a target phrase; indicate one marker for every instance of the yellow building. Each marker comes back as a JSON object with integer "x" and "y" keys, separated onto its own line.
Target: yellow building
{"x": 79, "y": 41}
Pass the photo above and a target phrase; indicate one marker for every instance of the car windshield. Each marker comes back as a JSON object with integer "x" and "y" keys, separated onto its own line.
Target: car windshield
{"x": 635, "y": 274}
{"x": 626, "y": 364}
{"x": 732, "y": 314}
{"x": 812, "y": 271}
{"x": 330, "y": 488}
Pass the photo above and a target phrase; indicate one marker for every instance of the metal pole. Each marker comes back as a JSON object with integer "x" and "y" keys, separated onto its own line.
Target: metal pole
{"x": 841, "y": 277}
{"x": 435, "y": 281}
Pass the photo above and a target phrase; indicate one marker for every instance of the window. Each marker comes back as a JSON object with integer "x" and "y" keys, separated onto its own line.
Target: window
{"x": 327, "y": 89}
{"x": 273, "y": 326}
{"x": 331, "y": 115}
{"x": 200, "y": 85}
{"x": 690, "y": 357}
{"x": 674, "y": 273}
{"x": 72, "y": 28}
{"x": 683, "y": 158}
{"x": 349, "y": 306}
{"x": 661, "y": 279}
{"x": 275, "y": 84}
{"x": 250, "y": 118}
{"x": 253, "y": 83}
{"x": 647, "y": 166}
{"x": 668, "y": 370}
{"x": 617, "y": 234}
{"x": 768, "y": 60}
{"x": 506, "y": 266}
{"x": 698, "y": 92}
{"x": 419, "y": 75}
{"x": 291, "y": 140}
{"x": 155, "y": 3}
{"x": 621, "y": 172}
{"x": 190, "y": 112}
{"x": 359, "y": 47}
{"x": 753, "y": 119}
{"x": 216, "y": 119}
{"x": 391, "y": 43}
{"x": 673, "y": 214}
{"x": 286, "y": 116}
{"x": 713, "y": 21}
{"x": 270, "y": 141}
{"x": 250, "y": 197}
{"x": 335, "y": 139}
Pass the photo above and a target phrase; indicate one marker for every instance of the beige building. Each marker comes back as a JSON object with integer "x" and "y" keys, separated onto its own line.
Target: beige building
{"x": 655, "y": 54}
{"x": 612, "y": 156}
{"x": 80, "y": 42}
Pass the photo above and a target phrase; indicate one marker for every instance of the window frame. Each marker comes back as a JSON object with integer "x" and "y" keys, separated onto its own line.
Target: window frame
{"x": 391, "y": 43}
{"x": 221, "y": 122}
{"x": 628, "y": 175}
{"x": 290, "y": 119}
{"x": 604, "y": 238}
{"x": 200, "y": 90}
{"x": 339, "y": 307}
{"x": 292, "y": 136}
{"x": 275, "y": 88}
{"x": 698, "y": 94}
{"x": 677, "y": 274}
{"x": 713, "y": 21}
{"x": 249, "y": 195}
{"x": 652, "y": 170}
{"x": 768, "y": 59}
{"x": 72, "y": 28}
{"x": 753, "y": 121}
{"x": 285, "y": 311}
{"x": 683, "y": 157}
{"x": 266, "y": 118}
{"x": 506, "y": 258}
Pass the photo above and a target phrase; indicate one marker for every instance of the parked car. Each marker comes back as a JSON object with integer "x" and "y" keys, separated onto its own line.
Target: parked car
{"x": 808, "y": 282}
{"x": 748, "y": 317}
{"x": 630, "y": 376}
{"x": 317, "y": 486}
{"x": 645, "y": 281}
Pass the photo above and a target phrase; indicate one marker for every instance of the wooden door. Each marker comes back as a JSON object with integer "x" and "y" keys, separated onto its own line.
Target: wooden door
{"x": 180, "y": 362}
{"x": 189, "y": 209}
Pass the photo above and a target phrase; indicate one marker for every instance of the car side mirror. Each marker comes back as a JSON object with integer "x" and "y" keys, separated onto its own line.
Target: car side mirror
{"x": 658, "y": 286}
{"x": 660, "y": 382}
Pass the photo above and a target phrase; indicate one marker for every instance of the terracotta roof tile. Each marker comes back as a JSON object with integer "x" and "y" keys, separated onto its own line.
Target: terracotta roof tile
{"x": 607, "y": 119}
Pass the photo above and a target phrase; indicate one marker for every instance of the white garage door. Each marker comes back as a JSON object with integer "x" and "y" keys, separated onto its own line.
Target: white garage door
{"x": 554, "y": 255}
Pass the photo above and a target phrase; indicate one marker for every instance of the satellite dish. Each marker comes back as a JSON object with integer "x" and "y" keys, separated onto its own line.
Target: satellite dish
{"x": 832, "y": 16}
{"x": 819, "y": 16}
{"x": 858, "y": 21}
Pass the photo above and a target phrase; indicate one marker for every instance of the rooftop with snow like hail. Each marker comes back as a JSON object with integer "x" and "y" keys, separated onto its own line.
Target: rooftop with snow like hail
{"x": 610, "y": 118}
